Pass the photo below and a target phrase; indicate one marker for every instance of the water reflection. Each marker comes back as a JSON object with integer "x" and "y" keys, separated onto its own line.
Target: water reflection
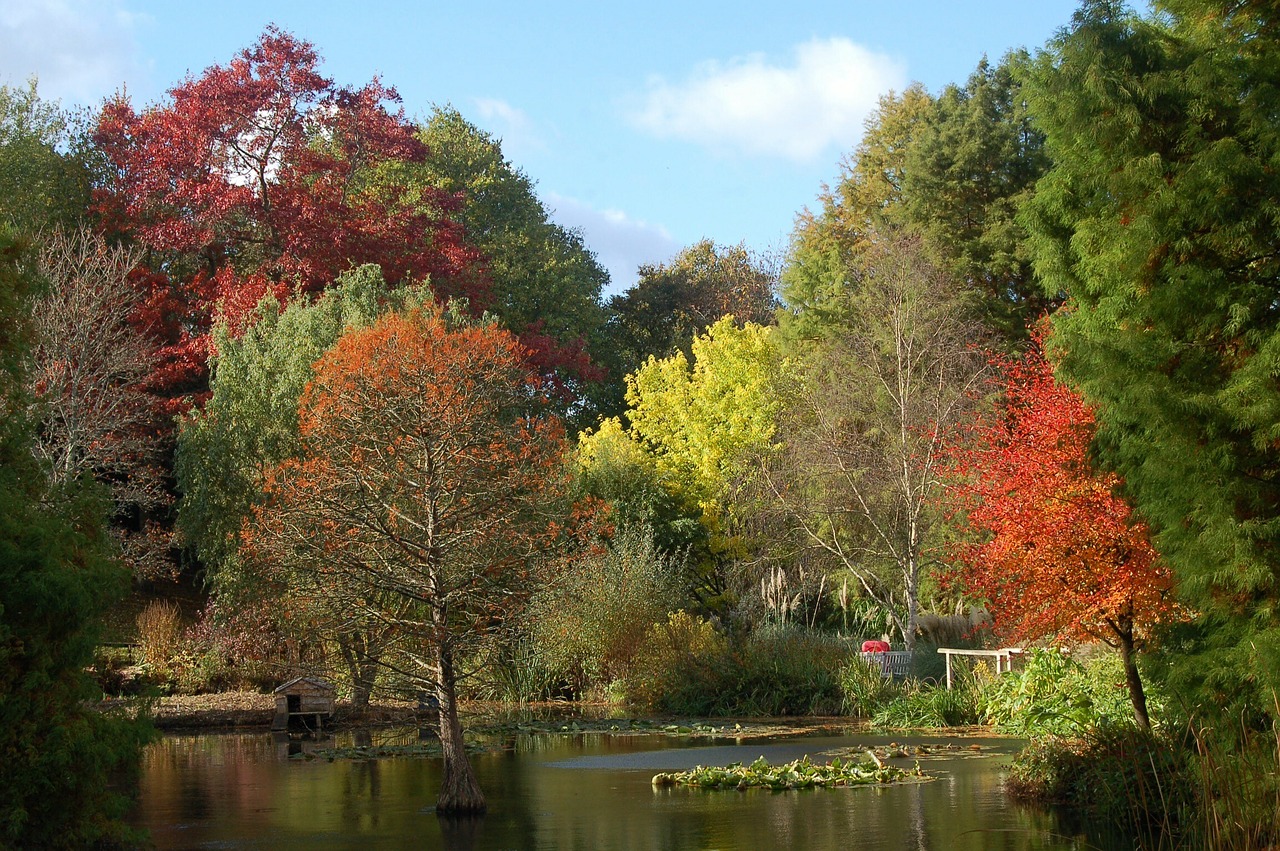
{"x": 589, "y": 791}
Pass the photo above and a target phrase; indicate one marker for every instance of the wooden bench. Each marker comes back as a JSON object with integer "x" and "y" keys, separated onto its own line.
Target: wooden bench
{"x": 892, "y": 663}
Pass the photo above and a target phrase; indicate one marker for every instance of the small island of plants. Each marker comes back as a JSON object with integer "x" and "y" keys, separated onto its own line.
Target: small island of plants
{"x": 800, "y": 774}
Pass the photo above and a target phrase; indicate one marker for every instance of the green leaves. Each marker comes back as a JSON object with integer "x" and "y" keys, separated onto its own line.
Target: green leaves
{"x": 1159, "y": 220}
{"x": 800, "y": 774}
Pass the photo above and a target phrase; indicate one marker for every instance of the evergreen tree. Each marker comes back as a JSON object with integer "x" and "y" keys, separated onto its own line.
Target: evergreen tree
{"x": 1160, "y": 221}
{"x": 56, "y": 756}
{"x": 973, "y": 163}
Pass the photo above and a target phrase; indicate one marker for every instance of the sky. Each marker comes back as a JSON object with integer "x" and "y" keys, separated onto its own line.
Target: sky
{"x": 648, "y": 126}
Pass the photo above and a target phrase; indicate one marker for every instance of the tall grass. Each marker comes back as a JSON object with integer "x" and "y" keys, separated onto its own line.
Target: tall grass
{"x": 920, "y": 705}
{"x": 159, "y": 635}
{"x": 687, "y": 667}
{"x": 1238, "y": 802}
{"x": 1194, "y": 789}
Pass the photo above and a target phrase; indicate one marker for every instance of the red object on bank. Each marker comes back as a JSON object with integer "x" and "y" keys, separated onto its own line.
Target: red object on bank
{"x": 875, "y": 646}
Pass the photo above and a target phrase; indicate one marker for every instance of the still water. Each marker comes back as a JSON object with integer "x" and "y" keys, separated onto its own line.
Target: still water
{"x": 585, "y": 791}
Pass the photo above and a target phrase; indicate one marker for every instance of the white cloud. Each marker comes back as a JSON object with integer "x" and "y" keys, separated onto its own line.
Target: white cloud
{"x": 622, "y": 244}
{"x": 512, "y": 125}
{"x": 80, "y": 50}
{"x": 798, "y": 111}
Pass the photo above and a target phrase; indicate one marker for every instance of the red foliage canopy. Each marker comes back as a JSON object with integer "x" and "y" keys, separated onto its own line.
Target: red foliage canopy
{"x": 1058, "y": 552}
{"x": 265, "y": 175}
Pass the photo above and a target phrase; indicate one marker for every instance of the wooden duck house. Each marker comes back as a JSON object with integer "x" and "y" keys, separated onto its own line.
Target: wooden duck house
{"x": 303, "y": 703}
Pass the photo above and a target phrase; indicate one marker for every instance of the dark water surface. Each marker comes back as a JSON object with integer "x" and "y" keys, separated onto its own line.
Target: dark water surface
{"x": 586, "y": 791}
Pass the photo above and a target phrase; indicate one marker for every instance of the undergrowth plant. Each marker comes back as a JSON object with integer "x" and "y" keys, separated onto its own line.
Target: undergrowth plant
{"x": 921, "y": 705}
{"x": 1055, "y": 694}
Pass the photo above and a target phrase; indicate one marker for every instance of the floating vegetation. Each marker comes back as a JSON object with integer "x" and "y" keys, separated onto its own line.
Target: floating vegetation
{"x": 801, "y": 774}
{"x": 893, "y": 751}
{"x": 361, "y": 753}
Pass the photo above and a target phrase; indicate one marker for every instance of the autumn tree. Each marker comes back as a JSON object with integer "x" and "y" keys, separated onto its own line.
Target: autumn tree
{"x": 89, "y": 364}
{"x": 426, "y": 495}
{"x": 614, "y": 467}
{"x": 1049, "y": 543}
{"x": 248, "y": 427}
{"x": 264, "y": 175}
{"x": 1159, "y": 221}
{"x": 856, "y": 477}
{"x": 675, "y": 301}
{"x": 702, "y": 419}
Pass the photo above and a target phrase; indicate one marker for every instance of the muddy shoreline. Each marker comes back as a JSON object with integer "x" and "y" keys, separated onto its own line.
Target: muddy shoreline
{"x": 253, "y": 711}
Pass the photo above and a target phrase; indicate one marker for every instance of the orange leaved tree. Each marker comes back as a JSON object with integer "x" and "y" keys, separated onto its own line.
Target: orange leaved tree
{"x": 1052, "y": 547}
{"x": 427, "y": 498}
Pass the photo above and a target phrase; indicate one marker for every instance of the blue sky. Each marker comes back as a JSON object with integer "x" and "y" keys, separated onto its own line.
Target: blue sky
{"x": 649, "y": 126}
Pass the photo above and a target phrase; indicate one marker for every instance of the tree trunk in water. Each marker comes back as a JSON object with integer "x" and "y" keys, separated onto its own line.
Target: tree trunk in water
{"x": 1136, "y": 693}
{"x": 459, "y": 790}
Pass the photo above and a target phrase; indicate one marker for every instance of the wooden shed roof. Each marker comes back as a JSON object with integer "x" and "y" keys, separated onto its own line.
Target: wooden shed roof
{"x": 312, "y": 682}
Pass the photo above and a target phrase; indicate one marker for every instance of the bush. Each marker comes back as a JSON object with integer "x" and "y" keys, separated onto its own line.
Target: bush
{"x": 686, "y": 667}
{"x": 1161, "y": 791}
{"x": 1054, "y": 694}
{"x": 588, "y": 626}
{"x": 786, "y": 671}
{"x": 1135, "y": 781}
{"x": 679, "y": 667}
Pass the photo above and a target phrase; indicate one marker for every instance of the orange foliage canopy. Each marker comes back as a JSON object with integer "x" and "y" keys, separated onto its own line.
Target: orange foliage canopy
{"x": 1057, "y": 552}
{"x": 425, "y": 461}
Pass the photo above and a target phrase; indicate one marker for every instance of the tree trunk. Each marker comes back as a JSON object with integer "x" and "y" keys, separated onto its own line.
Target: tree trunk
{"x": 1136, "y": 693}
{"x": 362, "y": 666}
{"x": 913, "y": 606}
{"x": 459, "y": 790}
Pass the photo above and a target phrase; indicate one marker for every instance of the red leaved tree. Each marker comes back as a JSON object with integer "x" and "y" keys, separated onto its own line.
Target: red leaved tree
{"x": 263, "y": 175}
{"x": 1053, "y": 548}
{"x": 428, "y": 497}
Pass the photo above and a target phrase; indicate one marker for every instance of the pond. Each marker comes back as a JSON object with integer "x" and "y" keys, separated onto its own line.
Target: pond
{"x": 582, "y": 791}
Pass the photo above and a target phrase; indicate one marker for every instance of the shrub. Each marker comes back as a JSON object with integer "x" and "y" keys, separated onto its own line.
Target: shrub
{"x": 686, "y": 667}
{"x": 786, "y": 671}
{"x": 1054, "y": 694}
{"x": 1138, "y": 782}
{"x": 1161, "y": 791}
{"x": 866, "y": 690}
{"x": 679, "y": 666}
{"x": 588, "y": 626}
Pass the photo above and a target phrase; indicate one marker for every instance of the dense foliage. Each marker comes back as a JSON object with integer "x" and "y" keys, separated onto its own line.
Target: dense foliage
{"x": 57, "y": 575}
{"x": 1158, "y": 221}
{"x": 263, "y": 175}
{"x": 376, "y": 336}
{"x": 426, "y": 500}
